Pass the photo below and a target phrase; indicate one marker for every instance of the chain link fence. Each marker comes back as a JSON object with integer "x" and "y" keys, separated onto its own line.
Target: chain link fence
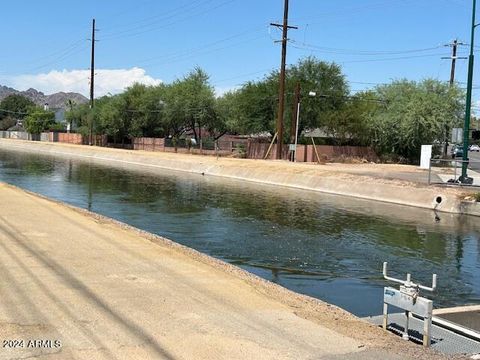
{"x": 448, "y": 172}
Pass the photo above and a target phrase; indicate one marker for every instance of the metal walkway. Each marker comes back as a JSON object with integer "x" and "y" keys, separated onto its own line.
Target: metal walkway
{"x": 443, "y": 340}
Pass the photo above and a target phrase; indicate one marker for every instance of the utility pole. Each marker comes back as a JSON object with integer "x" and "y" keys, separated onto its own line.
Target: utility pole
{"x": 281, "y": 88}
{"x": 92, "y": 80}
{"x": 454, "y": 58}
{"x": 468, "y": 102}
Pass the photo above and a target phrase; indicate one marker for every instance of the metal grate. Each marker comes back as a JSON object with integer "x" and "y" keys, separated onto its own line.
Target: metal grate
{"x": 443, "y": 340}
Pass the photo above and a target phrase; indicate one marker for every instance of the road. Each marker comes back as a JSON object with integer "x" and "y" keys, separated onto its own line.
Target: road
{"x": 474, "y": 160}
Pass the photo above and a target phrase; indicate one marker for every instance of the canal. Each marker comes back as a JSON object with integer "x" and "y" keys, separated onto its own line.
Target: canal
{"x": 328, "y": 247}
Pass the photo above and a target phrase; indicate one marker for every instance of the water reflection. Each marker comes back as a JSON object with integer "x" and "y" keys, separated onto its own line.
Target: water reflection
{"x": 325, "y": 246}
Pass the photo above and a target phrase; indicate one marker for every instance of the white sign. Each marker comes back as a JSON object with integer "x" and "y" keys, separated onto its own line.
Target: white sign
{"x": 425, "y": 156}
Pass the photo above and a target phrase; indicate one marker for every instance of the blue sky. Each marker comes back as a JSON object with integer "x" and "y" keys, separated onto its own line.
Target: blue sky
{"x": 45, "y": 42}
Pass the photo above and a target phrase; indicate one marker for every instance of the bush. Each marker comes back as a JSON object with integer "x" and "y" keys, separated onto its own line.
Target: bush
{"x": 7, "y": 123}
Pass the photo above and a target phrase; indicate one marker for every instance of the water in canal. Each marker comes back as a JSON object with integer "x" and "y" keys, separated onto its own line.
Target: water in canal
{"x": 328, "y": 247}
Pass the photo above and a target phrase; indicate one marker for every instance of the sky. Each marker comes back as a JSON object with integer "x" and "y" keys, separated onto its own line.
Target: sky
{"x": 46, "y": 43}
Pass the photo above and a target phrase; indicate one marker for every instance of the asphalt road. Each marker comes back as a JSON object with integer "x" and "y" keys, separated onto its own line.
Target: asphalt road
{"x": 474, "y": 160}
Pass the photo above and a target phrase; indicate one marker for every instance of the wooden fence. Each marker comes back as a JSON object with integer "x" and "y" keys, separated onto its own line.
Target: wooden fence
{"x": 306, "y": 153}
{"x": 149, "y": 144}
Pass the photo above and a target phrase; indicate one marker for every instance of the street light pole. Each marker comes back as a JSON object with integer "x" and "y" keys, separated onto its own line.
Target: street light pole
{"x": 296, "y": 131}
{"x": 468, "y": 103}
{"x": 312, "y": 94}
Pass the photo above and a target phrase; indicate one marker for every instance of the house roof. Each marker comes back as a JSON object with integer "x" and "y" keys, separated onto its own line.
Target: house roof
{"x": 316, "y": 133}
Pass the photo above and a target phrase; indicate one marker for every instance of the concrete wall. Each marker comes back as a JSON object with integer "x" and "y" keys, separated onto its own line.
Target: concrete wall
{"x": 21, "y": 135}
{"x": 45, "y": 136}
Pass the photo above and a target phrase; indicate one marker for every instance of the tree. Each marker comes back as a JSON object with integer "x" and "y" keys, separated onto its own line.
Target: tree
{"x": 227, "y": 114}
{"x": 256, "y": 103}
{"x": 331, "y": 88}
{"x": 16, "y": 106}
{"x": 150, "y": 118}
{"x": 78, "y": 115}
{"x": 7, "y": 122}
{"x": 39, "y": 120}
{"x": 413, "y": 114}
{"x": 189, "y": 104}
{"x": 112, "y": 118}
{"x": 349, "y": 125}
{"x": 143, "y": 110}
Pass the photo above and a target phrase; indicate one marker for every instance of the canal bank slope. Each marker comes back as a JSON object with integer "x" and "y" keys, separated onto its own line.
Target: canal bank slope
{"x": 92, "y": 288}
{"x": 398, "y": 184}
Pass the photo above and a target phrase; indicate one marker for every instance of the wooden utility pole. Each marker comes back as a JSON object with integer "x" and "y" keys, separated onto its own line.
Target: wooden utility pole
{"x": 281, "y": 88}
{"x": 92, "y": 80}
{"x": 454, "y": 58}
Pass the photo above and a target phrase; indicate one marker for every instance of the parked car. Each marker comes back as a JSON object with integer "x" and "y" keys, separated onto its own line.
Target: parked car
{"x": 456, "y": 151}
{"x": 474, "y": 147}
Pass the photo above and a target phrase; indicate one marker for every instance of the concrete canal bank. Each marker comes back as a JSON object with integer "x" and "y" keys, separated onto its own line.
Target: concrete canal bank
{"x": 78, "y": 285}
{"x": 403, "y": 185}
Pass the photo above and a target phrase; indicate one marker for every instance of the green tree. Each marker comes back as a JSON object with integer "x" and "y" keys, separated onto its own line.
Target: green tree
{"x": 149, "y": 110}
{"x": 78, "y": 116}
{"x": 255, "y": 104}
{"x": 7, "y": 122}
{"x": 227, "y": 114}
{"x": 413, "y": 114}
{"x": 16, "y": 106}
{"x": 39, "y": 120}
{"x": 332, "y": 92}
{"x": 112, "y": 118}
{"x": 349, "y": 124}
{"x": 189, "y": 105}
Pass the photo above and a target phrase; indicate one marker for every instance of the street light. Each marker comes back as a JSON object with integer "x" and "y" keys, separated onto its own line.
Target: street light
{"x": 468, "y": 104}
{"x": 312, "y": 94}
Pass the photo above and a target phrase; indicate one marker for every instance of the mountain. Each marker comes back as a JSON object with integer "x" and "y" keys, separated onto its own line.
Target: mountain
{"x": 54, "y": 101}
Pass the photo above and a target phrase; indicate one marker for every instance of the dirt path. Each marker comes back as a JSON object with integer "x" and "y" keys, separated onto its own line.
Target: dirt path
{"x": 74, "y": 285}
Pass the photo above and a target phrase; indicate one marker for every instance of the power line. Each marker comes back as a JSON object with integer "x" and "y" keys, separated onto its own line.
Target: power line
{"x": 159, "y": 17}
{"x": 13, "y": 112}
{"x": 203, "y": 49}
{"x": 391, "y": 59}
{"x": 360, "y": 52}
{"x": 149, "y": 28}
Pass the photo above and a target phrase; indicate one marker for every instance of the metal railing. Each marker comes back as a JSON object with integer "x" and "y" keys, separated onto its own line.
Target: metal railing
{"x": 448, "y": 171}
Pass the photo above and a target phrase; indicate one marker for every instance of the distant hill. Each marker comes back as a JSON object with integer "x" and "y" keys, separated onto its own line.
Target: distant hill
{"x": 55, "y": 101}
